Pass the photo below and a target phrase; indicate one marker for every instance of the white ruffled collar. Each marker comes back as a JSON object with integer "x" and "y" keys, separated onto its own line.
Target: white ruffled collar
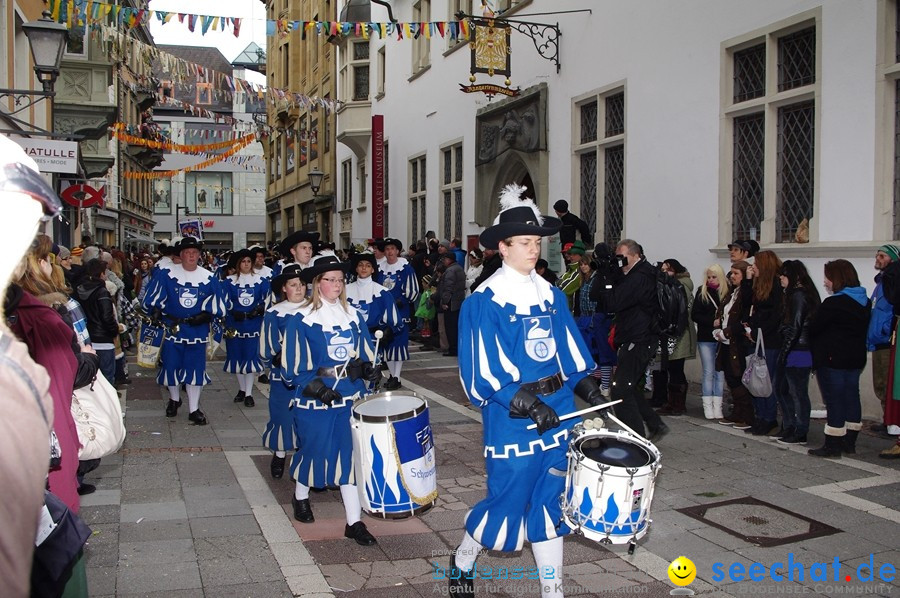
{"x": 524, "y": 291}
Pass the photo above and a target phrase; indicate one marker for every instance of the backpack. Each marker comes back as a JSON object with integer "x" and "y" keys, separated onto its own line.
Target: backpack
{"x": 672, "y": 306}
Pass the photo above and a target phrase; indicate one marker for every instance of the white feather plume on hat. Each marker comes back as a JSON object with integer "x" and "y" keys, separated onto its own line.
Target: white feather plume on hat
{"x": 511, "y": 197}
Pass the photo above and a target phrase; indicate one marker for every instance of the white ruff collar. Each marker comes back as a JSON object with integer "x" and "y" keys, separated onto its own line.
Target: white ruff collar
{"x": 393, "y": 268}
{"x": 286, "y": 308}
{"x": 245, "y": 280}
{"x": 330, "y": 316}
{"x": 363, "y": 289}
{"x": 197, "y": 277}
{"x": 523, "y": 292}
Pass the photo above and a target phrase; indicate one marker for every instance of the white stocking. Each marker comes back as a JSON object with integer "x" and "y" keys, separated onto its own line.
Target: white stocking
{"x": 548, "y": 556}
{"x": 240, "y": 381}
{"x": 248, "y": 384}
{"x": 352, "y": 508}
{"x": 282, "y": 455}
{"x": 394, "y": 368}
{"x": 173, "y": 394}
{"x": 301, "y": 492}
{"x": 193, "y": 392}
{"x": 467, "y": 552}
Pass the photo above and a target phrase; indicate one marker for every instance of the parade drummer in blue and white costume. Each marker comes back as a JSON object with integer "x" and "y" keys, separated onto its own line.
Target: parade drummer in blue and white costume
{"x": 398, "y": 277}
{"x": 290, "y": 292}
{"x": 258, "y": 254}
{"x": 521, "y": 360}
{"x": 188, "y": 298}
{"x": 371, "y": 299}
{"x": 245, "y": 295}
{"x": 329, "y": 341}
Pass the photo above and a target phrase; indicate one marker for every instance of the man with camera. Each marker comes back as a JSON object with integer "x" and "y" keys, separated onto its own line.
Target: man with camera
{"x": 627, "y": 288}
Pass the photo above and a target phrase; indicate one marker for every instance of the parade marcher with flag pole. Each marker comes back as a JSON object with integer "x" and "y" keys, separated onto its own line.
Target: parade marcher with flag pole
{"x": 186, "y": 298}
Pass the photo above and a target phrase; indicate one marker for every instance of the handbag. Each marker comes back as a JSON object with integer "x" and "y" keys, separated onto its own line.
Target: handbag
{"x": 62, "y": 535}
{"x": 98, "y": 418}
{"x": 149, "y": 343}
{"x": 756, "y": 375}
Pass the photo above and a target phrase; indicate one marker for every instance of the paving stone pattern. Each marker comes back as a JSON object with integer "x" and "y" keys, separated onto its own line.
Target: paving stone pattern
{"x": 192, "y": 511}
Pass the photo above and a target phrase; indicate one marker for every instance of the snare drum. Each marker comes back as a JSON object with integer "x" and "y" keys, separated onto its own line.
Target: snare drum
{"x": 393, "y": 455}
{"x": 609, "y": 485}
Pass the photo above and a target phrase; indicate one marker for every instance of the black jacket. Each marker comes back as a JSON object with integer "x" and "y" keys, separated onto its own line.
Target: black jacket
{"x": 795, "y": 330}
{"x": 98, "y": 310}
{"x": 837, "y": 333}
{"x": 768, "y": 314}
{"x": 633, "y": 301}
{"x": 704, "y": 314}
{"x": 490, "y": 265}
{"x": 572, "y": 224}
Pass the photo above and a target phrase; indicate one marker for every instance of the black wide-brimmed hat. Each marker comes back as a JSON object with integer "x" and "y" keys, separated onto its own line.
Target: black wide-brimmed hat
{"x": 363, "y": 256}
{"x": 322, "y": 264}
{"x": 297, "y": 237}
{"x": 518, "y": 216}
{"x": 256, "y": 249}
{"x": 389, "y": 241}
{"x": 189, "y": 243}
{"x": 234, "y": 260}
{"x": 290, "y": 271}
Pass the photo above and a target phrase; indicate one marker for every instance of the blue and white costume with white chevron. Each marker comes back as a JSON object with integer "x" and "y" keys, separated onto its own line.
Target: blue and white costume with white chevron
{"x": 324, "y": 338}
{"x": 513, "y": 330}
{"x": 400, "y": 280}
{"x": 375, "y": 303}
{"x": 279, "y": 434}
{"x": 179, "y": 294}
{"x": 245, "y": 295}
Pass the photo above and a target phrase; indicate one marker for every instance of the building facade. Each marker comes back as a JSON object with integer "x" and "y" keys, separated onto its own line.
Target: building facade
{"x": 229, "y": 196}
{"x": 681, "y": 125}
{"x": 301, "y": 136}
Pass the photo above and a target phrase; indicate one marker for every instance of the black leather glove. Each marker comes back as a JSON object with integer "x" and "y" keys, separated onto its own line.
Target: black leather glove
{"x": 358, "y": 368}
{"x": 387, "y": 335}
{"x": 316, "y": 389}
{"x": 588, "y": 390}
{"x": 276, "y": 360}
{"x": 526, "y": 404}
{"x": 204, "y": 317}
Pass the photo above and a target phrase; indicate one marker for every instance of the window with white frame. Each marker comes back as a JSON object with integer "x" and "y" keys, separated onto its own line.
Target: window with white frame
{"x": 503, "y": 6}
{"x": 456, "y": 7}
{"x": 417, "y": 197}
{"x": 381, "y": 65}
{"x": 355, "y": 74}
{"x": 346, "y": 184}
{"x": 451, "y": 191}
{"x": 421, "y": 51}
{"x": 600, "y": 156}
{"x": 770, "y": 109}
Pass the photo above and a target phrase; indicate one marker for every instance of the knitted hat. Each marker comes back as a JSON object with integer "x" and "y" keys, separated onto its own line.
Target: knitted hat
{"x": 77, "y": 251}
{"x": 892, "y": 251}
{"x": 63, "y": 253}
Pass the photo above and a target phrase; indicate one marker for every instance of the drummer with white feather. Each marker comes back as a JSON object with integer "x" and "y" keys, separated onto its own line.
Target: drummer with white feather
{"x": 521, "y": 360}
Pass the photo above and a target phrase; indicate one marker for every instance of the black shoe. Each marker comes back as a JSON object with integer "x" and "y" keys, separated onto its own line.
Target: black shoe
{"x": 451, "y": 354}
{"x": 318, "y": 490}
{"x": 302, "y": 511}
{"x": 392, "y": 383}
{"x": 123, "y": 381}
{"x": 263, "y": 379}
{"x": 239, "y": 397}
{"x": 358, "y": 532}
{"x": 462, "y": 583}
{"x": 86, "y": 489}
{"x": 792, "y": 438}
{"x": 249, "y": 402}
{"x": 782, "y": 433}
{"x": 657, "y": 434}
{"x": 277, "y": 466}
{"x": 832, "y": 448}
{"x": 878, "y": 428}
{"x": 764, "y": 428}
{"x": 172, "y": 408}
{"x": 197, "y": 418}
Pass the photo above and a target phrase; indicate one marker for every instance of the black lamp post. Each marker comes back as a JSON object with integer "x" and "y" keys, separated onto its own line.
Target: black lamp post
{"x": 47, "y": 39}
{"x": 315, "y": 180}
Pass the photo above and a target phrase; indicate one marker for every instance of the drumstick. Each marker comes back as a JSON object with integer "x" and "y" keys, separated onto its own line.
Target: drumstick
{"x": 341, "y": 372}
{"x": 582, "y": 412}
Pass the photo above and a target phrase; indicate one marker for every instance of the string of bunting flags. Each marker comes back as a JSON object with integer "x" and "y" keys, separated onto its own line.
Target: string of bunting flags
{"x": 81, "y": 13}
{"x": 166, "y": 174}
{"x": 118, "y": 130}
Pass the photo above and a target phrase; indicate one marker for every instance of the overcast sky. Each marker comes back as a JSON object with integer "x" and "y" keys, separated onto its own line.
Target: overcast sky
{"x": 253, "y": 26}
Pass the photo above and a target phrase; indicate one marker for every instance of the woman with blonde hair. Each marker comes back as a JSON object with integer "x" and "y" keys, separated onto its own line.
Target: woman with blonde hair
{"x": 710, "y": 296}
{"x": 730, "y": 330}
{"x": 318, "y": 361}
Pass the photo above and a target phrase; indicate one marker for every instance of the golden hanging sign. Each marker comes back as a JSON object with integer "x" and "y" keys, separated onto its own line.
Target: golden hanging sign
{"x": 490, "y": 47}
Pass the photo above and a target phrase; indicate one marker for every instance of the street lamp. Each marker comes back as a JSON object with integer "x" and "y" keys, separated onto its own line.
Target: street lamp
{"x": 47, "y": 39}
{"x": 177, "y": 212}
{"x": 315, "y": 180}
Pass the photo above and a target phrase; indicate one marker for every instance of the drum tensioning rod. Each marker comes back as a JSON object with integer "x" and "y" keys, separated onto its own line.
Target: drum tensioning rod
{"x": 589, "y": 410}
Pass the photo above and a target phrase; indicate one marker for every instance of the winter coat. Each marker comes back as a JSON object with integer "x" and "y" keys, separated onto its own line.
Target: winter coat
{"x": 452, "y": 288}
{"x": 488, "y": 267}
{"x": 795, "y": 330}
{"x": 98, "y": 307}
{"x": 703, "y": 313}
{"x": 632, "y": 299}
{"x": 686, "y": 346}
{"x": 881, "y": 323}
{"x": 767, "y": 314}
{"x": 837, "y": 331}
{"x": 50, "y": 340}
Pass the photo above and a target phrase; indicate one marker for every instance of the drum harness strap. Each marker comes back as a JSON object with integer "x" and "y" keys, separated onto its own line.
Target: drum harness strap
{"x": 327, "y": 372}
{"x": 545, "y": 386}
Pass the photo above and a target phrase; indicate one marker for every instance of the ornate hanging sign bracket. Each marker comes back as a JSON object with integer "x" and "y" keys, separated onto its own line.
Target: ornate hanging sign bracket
{"x": 544, "y": 36}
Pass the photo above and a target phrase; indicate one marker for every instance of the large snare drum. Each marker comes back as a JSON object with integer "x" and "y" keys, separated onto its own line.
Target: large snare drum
{"x": 609, "y": 485}
{"x": 393, "y": 455}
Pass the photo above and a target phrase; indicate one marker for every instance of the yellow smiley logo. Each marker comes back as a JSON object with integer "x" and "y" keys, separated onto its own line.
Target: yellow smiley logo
{"x": 682, "y": 571}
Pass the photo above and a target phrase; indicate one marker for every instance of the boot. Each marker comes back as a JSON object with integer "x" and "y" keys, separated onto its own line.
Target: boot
{"x": 660, "y": 381}
{"x": 462, "y": 584}
{"x": 677, "y": 399}
{"x": 849, "y": 444}
{"x": 708, "y": 409}
{"x": 832, "y": 448}
{"x": 717, "y": 407}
